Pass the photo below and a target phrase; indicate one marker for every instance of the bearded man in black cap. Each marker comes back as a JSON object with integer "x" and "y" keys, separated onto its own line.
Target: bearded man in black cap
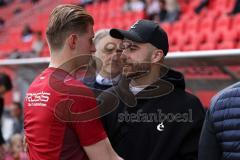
{"x": 155, "y": 118}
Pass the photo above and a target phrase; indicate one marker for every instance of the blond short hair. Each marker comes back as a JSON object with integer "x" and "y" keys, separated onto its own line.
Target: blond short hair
{"x": 64, "y": 20}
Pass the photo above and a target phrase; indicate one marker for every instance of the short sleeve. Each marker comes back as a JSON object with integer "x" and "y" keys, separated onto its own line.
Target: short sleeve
{"x": 86, "y": 118}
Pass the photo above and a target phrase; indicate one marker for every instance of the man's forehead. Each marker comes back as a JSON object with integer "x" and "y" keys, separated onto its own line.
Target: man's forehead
{"x": 125, "y": 40}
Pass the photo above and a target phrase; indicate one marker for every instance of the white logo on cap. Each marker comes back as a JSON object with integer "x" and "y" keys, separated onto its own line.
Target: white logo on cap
{"x": 134, "y": 25}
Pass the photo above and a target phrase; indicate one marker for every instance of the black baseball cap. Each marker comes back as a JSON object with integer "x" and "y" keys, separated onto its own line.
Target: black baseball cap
{"x": 144, "y": 31}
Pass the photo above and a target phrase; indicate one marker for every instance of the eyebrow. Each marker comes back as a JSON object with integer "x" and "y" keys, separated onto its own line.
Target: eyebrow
{"x": 134, "y": 45}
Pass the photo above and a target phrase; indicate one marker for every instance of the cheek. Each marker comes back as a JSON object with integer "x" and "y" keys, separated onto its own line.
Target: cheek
{"x": 106, "y": 59}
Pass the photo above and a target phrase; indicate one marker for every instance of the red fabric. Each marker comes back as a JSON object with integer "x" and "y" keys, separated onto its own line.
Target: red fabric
{"x": 52, "y": 117}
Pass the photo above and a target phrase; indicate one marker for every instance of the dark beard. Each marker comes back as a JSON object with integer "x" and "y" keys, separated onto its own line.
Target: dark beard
{"x": 136, "y": 70}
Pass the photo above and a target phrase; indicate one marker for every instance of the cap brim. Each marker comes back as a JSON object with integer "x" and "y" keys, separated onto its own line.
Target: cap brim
{"x": 122, "y": 34}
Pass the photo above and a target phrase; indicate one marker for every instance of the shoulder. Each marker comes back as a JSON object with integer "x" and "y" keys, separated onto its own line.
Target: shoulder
{"x": 227, "y": 98}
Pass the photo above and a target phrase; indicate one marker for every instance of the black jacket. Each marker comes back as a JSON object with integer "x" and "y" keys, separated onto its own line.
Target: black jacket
{"x": 138, "y": 130}
{"x": 1, "y": 112}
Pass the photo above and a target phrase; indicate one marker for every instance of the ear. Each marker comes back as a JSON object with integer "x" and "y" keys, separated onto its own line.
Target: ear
{"x": 157, "y": 56}
{"x": 72, "y": 41}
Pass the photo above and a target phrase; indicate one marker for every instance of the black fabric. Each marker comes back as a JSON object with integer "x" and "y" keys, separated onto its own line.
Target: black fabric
{"x": 1, "y": 112}
{"x": 236, "y": 8}
{"x": 141, "y": 140}
{"x": 144, "y": 31}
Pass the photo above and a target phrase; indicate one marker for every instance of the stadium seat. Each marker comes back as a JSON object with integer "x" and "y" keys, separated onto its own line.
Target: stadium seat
{"x": 167, "y": 27}
{"x": 206, "y": 24}
{"x": 207, "y": 46}
{"x": 192, "y": 25}
{"x": 226, "y": 45}
{"x": 178, "y": 26}
{"x": 190, "y": 47}
{"x": 224, "y": 23}
{"x": 205, "y": 97}
{"x": 232, "y": 35}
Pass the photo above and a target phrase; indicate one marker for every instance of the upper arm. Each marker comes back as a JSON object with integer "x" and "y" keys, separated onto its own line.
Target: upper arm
{"x": 208, "y": 145}
{"x": 101, "y": 150}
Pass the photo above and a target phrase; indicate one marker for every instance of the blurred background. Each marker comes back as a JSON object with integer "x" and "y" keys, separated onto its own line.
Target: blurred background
{"x": 204, "y": 38}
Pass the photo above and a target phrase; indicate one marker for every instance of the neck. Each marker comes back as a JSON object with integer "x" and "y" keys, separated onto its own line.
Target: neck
{"x": 63, "y": 61}
{"x": 150, "y": 78}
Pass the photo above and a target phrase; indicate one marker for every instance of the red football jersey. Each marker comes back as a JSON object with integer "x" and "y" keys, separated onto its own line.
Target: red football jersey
{"x": 54, "y": 126}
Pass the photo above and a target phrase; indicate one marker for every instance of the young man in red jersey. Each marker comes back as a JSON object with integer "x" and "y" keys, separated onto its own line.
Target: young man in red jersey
{"x": 56, "y": 120}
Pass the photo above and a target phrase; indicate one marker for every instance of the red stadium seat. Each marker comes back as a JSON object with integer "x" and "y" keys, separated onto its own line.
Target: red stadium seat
{"x": 192, "y": 25}
{"x": 223, "y": 23}
{"x": 238, "y": 45}
{"x": 178, "y": 26}
{"x": 190, "y": 47}
{"x": 167, "y": 27}
{"x": 206, "y": 24}
{"x": 226, "y": 45}
{"x": 205, "y": 97}
{"x": 232, "y": 35}
{"x": 207, "y": 46}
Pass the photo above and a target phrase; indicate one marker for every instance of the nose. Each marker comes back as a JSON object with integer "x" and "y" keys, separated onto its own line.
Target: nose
{"x": 116, "y": 56}
{"x": 123, "y": 57}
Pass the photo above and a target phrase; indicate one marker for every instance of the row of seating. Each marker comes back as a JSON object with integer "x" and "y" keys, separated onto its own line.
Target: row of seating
{"x": 211, "y": 29}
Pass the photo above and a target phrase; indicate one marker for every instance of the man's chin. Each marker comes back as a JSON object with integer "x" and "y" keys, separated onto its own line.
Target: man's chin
{"x": 134, "y": 75}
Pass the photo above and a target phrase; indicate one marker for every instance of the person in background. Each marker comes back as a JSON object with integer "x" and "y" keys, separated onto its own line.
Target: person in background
{"x": 16, "y": 112}
{"x": 162, "y": 15}
{"x": 221, "y": 132}
{"x": 173, "y": 10}
{"x": 27, "y": 33}
{"x": 203, "y": 4}
{"x": 16, "y": 151}
{"x": 5, "y": 86}
{"x": 152, "y": 8}
{"x": 236, "y": 8}
{"x": 134, "y": 5}
{"x": 38, "y": 44}
{"x": 2, "y": 22}
{"x": 106, "y": 60}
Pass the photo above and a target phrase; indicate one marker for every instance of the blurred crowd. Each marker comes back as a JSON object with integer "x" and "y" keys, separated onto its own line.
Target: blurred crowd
{"x": 157, "y": 10}
{"x": 11, "y": 124}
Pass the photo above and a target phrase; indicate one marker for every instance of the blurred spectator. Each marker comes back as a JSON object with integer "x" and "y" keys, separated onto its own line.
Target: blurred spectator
{"x": 5, "y": 85}
{"x": 152, "y": 8}
{"x": 100, "y": 1}
{"x": 17, "y": 115}
{"x": 163, "y": 12}
{"x": 134, "y": 5}
{"x": 16, "y": 149}
{"x": 173, "y": 10}
{"x": 2, "y": 22}
{"x": 17, "y": 11}
{"x": 35, "y": 1}
{"x": 38, "y": 44}
{"x": 169, "y": 11}
{"x": 15, "y": 54}
{"x": 203, "y": 3}
{"x": 236, "y": 8}
{"x": 27, "y": 33}
{"x": 2, "y": 3}
{"x": 85, "y": 2}
{"x": 5, "y": 2}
